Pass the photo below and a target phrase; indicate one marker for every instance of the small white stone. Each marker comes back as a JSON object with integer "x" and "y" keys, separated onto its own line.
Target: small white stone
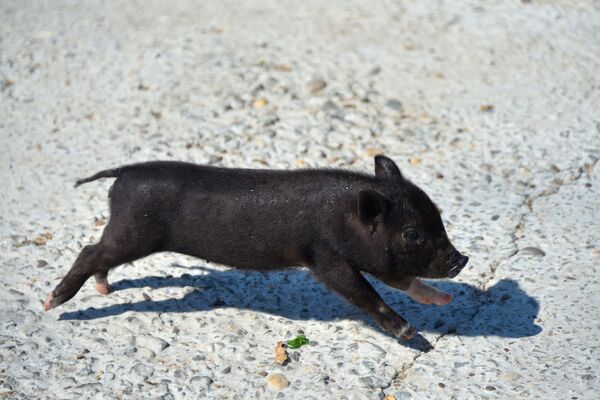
{"x": 277, "y": 381}
{"x": 151, "y": 342}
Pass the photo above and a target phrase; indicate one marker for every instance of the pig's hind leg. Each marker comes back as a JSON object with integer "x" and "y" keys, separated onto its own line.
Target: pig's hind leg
{"x": 120, "y": 243}
{"x": 91, "y": 260}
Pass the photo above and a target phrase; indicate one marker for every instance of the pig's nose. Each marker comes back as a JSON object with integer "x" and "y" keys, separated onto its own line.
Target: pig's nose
{"x": 456, "y": 264}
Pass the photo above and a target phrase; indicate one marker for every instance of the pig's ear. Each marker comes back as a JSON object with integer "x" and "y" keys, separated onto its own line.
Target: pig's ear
{"x": 372, "y": 206}
{"x": 386, "y": 168}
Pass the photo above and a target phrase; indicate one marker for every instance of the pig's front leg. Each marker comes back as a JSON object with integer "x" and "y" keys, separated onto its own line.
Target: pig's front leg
{"x": 350, "y": 284}
{"x": 426, "y": 294}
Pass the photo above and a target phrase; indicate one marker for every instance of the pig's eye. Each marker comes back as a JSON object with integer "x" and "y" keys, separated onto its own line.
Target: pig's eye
{"x": 411, "y": 236}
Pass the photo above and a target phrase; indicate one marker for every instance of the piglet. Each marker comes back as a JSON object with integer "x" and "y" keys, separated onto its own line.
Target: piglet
{"x": 339, "y": 224}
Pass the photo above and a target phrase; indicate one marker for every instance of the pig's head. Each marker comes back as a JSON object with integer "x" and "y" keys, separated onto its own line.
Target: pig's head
{"x": 405, "y": 227}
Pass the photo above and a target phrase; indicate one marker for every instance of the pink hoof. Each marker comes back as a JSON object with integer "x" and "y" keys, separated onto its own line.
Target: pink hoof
{"x": 103, "y": 288}
{"x": 444, "y": 299}
{"x": 48, "y": 303}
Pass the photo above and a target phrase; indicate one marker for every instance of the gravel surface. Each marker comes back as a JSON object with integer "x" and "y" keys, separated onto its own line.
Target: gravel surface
{"x": 493, "y": 108}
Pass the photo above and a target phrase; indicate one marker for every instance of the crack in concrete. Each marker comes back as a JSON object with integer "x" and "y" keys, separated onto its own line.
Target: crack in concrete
{"x": 586, "y": 169}
{"x": 528, "y": 201}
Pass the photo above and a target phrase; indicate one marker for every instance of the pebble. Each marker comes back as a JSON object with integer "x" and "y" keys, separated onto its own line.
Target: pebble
{"x": 511, "y": 377}
{"x": 142, "y": 371}
{"x": 226, "y": 370}
{"x": 146, "y": 353}
{"x": 151, "y": 342}
{"x": 332, "y": 109}
{"x": 534, "y": 251}
{"x": 393, "y": 104}
{"x": 375, "y": 70}
{"x": 260, "y": 102}
{"x": 315, "y": 86}
{"x": 200, "y": 381}
{"x": 277, "y": 381}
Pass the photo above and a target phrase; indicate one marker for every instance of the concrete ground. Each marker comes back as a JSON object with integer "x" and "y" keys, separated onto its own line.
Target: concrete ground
{"x": 492, "y": 107}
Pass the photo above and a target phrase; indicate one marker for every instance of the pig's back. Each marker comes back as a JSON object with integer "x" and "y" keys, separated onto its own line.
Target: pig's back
{"x": 241, "y": 217}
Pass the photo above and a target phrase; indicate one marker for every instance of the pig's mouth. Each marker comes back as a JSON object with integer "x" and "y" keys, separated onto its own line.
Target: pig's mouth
{"x": 447, "y": 268}
{"x": 455, "y": 264}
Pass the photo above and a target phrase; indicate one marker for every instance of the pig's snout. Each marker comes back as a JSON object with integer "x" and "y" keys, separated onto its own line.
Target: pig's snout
{"x": 455, "y": 264}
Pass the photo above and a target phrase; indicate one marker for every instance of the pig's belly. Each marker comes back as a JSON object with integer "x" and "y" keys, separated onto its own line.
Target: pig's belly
{"x": 260, "y": 232}
{"x": 239, "y": 246}
{"x": 243, "y": 258}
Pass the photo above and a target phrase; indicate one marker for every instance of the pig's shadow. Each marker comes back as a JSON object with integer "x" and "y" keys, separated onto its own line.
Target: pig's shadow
{"x": 503, "y": 310}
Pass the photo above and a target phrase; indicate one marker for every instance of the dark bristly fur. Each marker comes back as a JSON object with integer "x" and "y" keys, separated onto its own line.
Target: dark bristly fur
{"x": 337, "y": 223}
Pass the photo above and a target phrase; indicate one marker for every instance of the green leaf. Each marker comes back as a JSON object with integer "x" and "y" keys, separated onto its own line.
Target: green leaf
{"x": 298, "y": 342}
